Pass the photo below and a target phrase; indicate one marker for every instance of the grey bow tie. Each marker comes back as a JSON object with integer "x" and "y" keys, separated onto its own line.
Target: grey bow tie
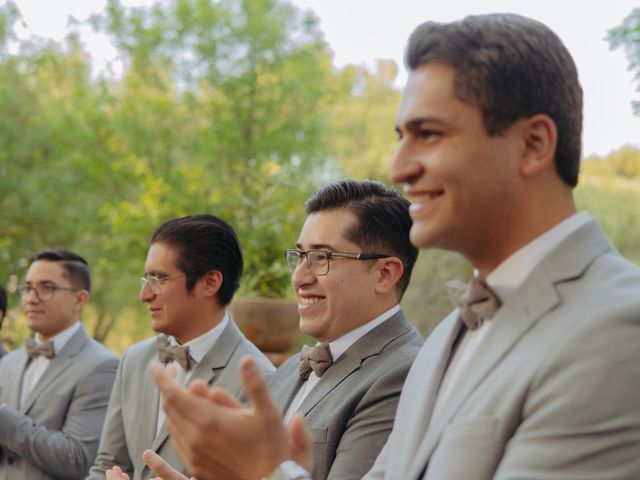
{"x": 168, "y": 352}
{"x": 35, "y": 349}
{"x": 318, "y": 359}
{"x": 476, "y": 300}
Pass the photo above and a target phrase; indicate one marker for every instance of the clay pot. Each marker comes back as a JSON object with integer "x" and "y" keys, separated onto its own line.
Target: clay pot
{"x": 270, "y": 323}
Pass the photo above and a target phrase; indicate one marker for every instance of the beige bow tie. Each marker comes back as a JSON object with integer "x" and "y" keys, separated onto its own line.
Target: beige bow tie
{"x": 168, "y": 352}
{"x": 476, "y": 300}
{"x": 35, "y": 349}
{"x": 318, "y": 359}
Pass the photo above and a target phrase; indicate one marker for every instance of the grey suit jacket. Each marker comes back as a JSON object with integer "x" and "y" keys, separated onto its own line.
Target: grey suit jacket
{"x": 350, "y": 412}
{"x": 130, "y": 426}
{"x": 56, "y": 434}
{"x": 552, "y": 392}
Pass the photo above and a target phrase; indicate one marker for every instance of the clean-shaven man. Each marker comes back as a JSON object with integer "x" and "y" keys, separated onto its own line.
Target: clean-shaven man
{"x": 56, "y": 388}
{"x": 192, "y": 271}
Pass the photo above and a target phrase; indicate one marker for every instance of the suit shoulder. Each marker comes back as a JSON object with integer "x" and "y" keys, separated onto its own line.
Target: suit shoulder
{"x": 245, "y": 347}
{"x": 96, "y": 352}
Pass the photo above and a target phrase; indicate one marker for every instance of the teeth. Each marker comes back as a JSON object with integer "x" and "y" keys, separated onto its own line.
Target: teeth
{"x": 309, "y": 301}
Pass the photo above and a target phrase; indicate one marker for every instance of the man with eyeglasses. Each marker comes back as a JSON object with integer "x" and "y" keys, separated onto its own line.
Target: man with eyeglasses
{"x": 192, "y": 271}
{"x": 55, "y": 389}
{"x": 351, "y": 265}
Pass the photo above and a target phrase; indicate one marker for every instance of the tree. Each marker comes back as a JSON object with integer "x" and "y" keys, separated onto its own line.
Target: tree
{"x": 627, "y": 35}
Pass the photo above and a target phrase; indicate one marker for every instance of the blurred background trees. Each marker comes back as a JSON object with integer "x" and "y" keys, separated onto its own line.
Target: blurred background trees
{"x": 230, "y": 107}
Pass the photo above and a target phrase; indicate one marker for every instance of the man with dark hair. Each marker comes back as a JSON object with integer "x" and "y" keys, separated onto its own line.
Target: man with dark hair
{"x": 3, "y": 312}
{"x": 57, "y": 387}
{"x": 351, "y": 266}
{"x": 192, "y": 271}
{"x": 535, "y": 375}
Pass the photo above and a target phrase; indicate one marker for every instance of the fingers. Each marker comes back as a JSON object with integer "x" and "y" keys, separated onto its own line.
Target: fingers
{"x": 300, "y": 443}
{"x": 256, "y": 387}
{"x": 160, "y": 467}
{"x": 199, "y": 387}
{"x": 116, "y": 473}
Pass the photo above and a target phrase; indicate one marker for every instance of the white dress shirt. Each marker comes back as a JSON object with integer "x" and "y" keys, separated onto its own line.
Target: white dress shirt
{"x": 39, "y": 364}
{"x": 504, "y": 280}
{"x": 337, "y": 347}
{"x": 198, "y": 348}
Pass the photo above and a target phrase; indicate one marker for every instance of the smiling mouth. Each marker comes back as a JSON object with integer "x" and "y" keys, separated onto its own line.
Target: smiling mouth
{"x": 309, "y": 300}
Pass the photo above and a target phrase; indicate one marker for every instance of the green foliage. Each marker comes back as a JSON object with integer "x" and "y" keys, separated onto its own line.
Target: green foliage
{"x": 230, "y": 107}
{"x": 609, "y": 189}
{"x": 627, "y": 35}
{"x": 221, "y": 108}
{"x": 362, "y": 121}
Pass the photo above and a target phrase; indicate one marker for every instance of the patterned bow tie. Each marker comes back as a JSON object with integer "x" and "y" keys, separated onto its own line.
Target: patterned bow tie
{"x": 318, "y": 359}
{"x": 35, "y": 349}
{"x": 476, "y": 300}
{"x": 168, "y": 352}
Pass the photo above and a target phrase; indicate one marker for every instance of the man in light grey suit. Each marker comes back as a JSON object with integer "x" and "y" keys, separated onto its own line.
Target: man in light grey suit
{"x": 352, "y": 306}
{"x": 536, "y": 374}
{"x": 192, "y": 271}
{"x": 55, "y": 390}
{"x": 541, "y": 382}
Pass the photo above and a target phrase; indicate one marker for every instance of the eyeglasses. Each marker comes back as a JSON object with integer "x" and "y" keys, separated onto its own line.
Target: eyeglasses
{"x": 44, "y": 292}
{"x": 155, "y": 282}
{"x": 318, "y": 260}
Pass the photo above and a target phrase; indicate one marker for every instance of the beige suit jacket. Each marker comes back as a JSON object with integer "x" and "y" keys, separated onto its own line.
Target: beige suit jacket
{"x": 552, "y": 392}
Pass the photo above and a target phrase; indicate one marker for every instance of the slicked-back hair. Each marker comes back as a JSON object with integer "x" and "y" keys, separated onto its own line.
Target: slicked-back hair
{"x": 383, "y": 219}
{"x": 76, "y": 268}
{"x": 510, "y": 67}
{"x": 204, "y": 242}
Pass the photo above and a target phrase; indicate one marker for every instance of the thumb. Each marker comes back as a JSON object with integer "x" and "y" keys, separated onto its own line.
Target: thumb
{"x": 256, "y": 387}
{"x": 160, "y": 467}
{"x": 300, "y": 443}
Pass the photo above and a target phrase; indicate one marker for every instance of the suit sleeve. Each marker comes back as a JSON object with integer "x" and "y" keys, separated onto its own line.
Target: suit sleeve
{"x": 582, "y": 415}
{"x": 367, "y": 430}
{"x": 113, "y": 443}
{"x": 69, "y": 452}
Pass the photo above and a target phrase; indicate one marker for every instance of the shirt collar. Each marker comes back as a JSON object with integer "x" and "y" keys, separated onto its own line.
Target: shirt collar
{"x": 200, "y": 346}
{"x": 341, "y": 344}
{"x": 513, "y": 271}
{"x": 60, "y": 339}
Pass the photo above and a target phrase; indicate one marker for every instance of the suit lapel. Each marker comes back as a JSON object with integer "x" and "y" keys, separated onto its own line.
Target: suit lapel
{"x": 285, "y": 383}
{"x": 421, "y": 393}
{"x": 518, "y": 315}
{"x": 57, "y": 366}
{"x": 217, "y": 358}
{"x": 13, "y": 397}
{"x": 368, "y": 345}
{"x": 150, "y": 403}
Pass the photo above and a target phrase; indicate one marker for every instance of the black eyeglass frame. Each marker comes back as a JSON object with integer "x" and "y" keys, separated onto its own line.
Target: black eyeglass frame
{"x": 298, "y": 255}
{"x": 49, "y": 289}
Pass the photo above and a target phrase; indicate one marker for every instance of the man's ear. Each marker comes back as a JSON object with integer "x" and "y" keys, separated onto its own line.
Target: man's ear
{"x": 211, "y": 282}
{"x": 389, "y": 271}
{"x": 540, "y": 137}
{"x": 81, "y": 298}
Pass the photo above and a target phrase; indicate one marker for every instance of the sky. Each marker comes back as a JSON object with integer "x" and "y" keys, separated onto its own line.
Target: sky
{"x": 361, "y": 31}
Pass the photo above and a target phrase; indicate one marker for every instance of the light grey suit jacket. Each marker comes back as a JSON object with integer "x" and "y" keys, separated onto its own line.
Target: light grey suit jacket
{"x": 552, "y": 392}
{"x": 56, "y": 434}
{"x": 350, "y": 412}
{"x": 130, "y": 426}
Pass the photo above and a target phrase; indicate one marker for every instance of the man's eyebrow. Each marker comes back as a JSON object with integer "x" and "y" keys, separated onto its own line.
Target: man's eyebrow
{"x": 317, "y": 246}
{"x": 417, "y": 122}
